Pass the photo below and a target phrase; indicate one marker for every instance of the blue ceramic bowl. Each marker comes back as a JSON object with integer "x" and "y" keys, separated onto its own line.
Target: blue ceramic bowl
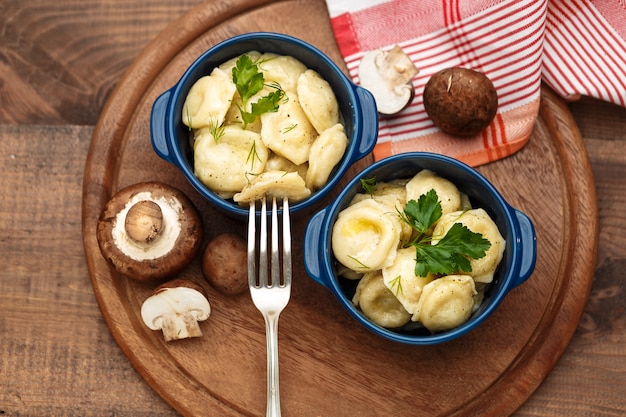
{"x": 170, "y": 137}
{"x": 516, "y": 266}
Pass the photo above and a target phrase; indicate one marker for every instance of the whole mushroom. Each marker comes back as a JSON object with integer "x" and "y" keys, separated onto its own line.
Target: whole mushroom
{"x": 149, "y": 231}
{"x": 176, "y": 307}
{"x": 460, "y": 101}
{"x": 224, "y": 263}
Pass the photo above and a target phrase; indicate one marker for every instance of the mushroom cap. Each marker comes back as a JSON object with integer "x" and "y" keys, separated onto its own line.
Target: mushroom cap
{"x": 460, "y": 101}
{"x": 179, "y": 243}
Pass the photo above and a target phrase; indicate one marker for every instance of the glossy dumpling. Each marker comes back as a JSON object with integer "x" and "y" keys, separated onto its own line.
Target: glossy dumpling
{"x": 326, "y": 152}
{"x": 446, "y": 302}
{"x": 378, "y": 303}
{"x": 401, "y": 280}
{"x": 365, "y": 236}
{"x": 281, "y": 69}
{"x": 287, "y": 131}
{"x": 478, "y": 221}
{"x": 273, "y": 183}
{"x": 224, "y": 164}
{"x": 208, "y": 100}
{"x": 318, "y": 100}
{"x": 426, "y": 180}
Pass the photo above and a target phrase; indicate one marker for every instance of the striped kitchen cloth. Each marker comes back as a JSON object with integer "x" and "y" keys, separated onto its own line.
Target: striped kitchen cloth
{"x": 577, "y": 47}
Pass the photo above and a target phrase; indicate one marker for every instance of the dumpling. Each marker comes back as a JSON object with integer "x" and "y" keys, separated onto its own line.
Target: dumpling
{"x": 279, "y": 163}
{"x": 365, "y": 236}
{"x": 318, "y": 100}
{"x": 446, "y": 302}
{"x": 288, "y": 132}
{"x": 223, "y": 164}
{"x": 273, "y": 183}
{"x": 426, "y": 180}
{"x": 281, "y": 69}
{"x": 401, "y": 280}
{"x": 478, "y": 221}
{"x": 208, "y": 100}
{"x": 378, "y": 303}
{"x": 326, "y": 152}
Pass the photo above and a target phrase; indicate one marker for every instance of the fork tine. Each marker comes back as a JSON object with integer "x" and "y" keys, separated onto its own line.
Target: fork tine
{"x": 263, "y": 246}
{"x": 275, "y": 254}
{"x": 286, "y": 243}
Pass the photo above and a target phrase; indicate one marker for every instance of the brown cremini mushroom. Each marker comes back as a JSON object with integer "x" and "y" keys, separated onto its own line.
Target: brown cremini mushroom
{"x": 460, "y": 101}
{"x": 176, "y": 307}
{"x": 388, "y": 76}
{"x": 224, "y": 263}
{"x": 149, "y": 231}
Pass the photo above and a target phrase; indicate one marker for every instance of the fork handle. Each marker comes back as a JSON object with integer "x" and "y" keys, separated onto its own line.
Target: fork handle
{"x": 273, "y": 392}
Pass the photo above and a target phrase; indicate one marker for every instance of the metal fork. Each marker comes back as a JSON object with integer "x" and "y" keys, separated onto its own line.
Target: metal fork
{"x": 270, "y": 295}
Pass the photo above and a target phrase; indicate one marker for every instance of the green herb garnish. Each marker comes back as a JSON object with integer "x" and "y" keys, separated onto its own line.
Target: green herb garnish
{"x": 396, "y": 285}
{"x": 253, "y": 155}
{"x": 453, "y": 252}
{"x": 359, "y": 262}
{"x": 249, "y": 81}
{"x": 289, "y": 128}
{"x": 369, "y": 185}
{"x": 216, "y": 131}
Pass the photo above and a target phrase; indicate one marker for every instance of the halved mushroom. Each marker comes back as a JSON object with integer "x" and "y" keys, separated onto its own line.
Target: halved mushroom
{"x": 176, "y": 307}
{"x": 388, "y": 76}
{"x": 149, "y": 231}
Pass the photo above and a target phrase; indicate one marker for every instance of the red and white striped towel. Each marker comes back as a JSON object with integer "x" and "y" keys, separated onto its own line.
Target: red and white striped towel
{"x": 575, "y": 46}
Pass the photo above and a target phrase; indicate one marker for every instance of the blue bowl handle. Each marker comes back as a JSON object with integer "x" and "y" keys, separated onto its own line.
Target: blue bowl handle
{"x": 528, "y": 247}
{"x": 369, "y": 122}
{"x": 158, "y": 130}
{"x": 312, "y": 248}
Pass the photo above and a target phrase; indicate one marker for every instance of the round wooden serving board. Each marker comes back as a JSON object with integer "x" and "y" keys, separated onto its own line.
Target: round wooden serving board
{"x": 329, "y": 365}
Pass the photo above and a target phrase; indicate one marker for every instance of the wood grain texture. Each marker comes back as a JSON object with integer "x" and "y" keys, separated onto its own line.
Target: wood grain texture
{"x": 51, "y": 95}
{"x": 60, "y": 60}
{"x": 355, "y": 361}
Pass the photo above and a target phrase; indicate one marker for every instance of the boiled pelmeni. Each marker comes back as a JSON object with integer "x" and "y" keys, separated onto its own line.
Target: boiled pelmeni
{"x": 326, "y": 152}
{"x": 378, "y": 303}
{"x": 281, "y": 69}
{"x": 273, "y": 183}
{"x": 208, "y": 100}
{"x": 365, "y": 236}
{"x": 425, "y": 180}
{"x": 401, "y": 280}
{"x": 318, "y": 100}
{"x": 224, "y": 163}
{"x": 287, "y": 131}
{"x": 446, "y": 302}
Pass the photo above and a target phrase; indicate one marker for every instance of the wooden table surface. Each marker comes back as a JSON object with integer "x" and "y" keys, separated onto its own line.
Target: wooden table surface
{"x": 59, "y": 62}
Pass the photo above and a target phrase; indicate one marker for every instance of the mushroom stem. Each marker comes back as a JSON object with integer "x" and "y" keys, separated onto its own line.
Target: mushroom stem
{"x": 181, "y": 326}
{"x": 144, "y": 222}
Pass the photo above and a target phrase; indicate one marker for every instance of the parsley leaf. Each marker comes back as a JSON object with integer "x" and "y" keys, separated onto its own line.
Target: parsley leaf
{"x": 266, "y": 104}
{"x": 424, "y": 212}
{"x": 249, "y": 81}
{"x": 450, "y": 254}
{"x": 247, "y": 78}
